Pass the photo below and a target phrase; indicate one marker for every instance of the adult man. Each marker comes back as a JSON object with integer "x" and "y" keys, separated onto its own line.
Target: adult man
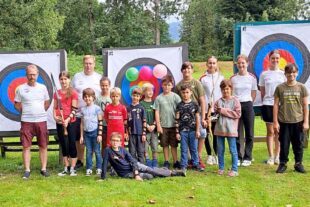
{"x": 198, "y": 96}
{"x": 32, "y": 100}
{"x": 88, "y": 78}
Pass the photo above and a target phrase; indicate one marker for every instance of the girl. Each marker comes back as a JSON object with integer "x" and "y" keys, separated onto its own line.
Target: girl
{"x": 268, "y": 82}
{"x": 245, "y": 87}
{"x": 115, "y": 115}
{"x": 211, "y": 83}
{"x": 64, "y": 114}
{"x": 229, "y": 110}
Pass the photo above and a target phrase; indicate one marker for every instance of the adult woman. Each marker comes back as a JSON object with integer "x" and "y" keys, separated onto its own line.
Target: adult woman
{"x": 268, "y": 82}
{"x": 244, "y": 88}
{"x": 211, "y": 83}
{"x": 65, "y": 106}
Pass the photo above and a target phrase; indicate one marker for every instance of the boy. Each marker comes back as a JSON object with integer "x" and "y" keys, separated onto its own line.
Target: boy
{"x": 136, "y": 126}
{"x": 151, "y": 134}
{"x": 102, "y": 101}
{"x": 290, "y": 114}
{"x": 91, "y": 130}
{"x": 165, "y": 107}
{"x": 187, "y": 127}
{"x": 127, "y": 167}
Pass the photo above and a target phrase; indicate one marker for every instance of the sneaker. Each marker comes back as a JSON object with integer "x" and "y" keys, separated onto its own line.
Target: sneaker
{"x": 210, "y": 160}
{"x": 281, "y": 168}
{"x": 299, "y": 168}
{"x": 276, "y": 160}
{"x": 201, "y": 164}
{"x": 63, "y": 173}
{"x": 44, "y": 173}
{"x": 73, "y": 173}
{"x": 190, "y": 164}
{"x": 79, "y": 164}
{"x": 177, "y": 165}
{"x": 246, "y": 163}
{"x": 98, "y": 171}
{"x": 220, "y": 172}
{"x": 181, "y": 172}
{"x": 199, "y": 168}
{"x": 270, "y": 161}
{"x": 167, "y": 164}
{"x": 89, "y": 172}
{"x": 154, "y": 163}
{"x": 26, "y": 175}
{"x": 239, "y": 163}
{"x": 232, "y": 173}
{"x": 214, "y": 160}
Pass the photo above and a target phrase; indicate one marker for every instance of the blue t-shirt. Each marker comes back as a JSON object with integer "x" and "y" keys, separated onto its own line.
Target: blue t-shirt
{"x": 136, "y": 117}
{"x": 187, "y": 111}
{"x": 90, "y": 117}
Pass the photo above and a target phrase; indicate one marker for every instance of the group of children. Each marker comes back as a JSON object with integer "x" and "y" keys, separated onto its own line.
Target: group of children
{"x": 172, "y": 120}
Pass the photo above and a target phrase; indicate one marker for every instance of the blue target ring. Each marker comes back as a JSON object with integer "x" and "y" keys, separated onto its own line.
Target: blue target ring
{"x": 284, "y": 42}
{"x": 10, "y": 78}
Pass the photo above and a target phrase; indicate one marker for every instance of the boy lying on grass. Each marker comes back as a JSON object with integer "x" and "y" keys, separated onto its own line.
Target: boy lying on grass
{"x": 126, "y": 166}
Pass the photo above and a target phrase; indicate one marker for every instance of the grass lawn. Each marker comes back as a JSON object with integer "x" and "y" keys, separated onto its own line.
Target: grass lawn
{"x": 257, "y": 185}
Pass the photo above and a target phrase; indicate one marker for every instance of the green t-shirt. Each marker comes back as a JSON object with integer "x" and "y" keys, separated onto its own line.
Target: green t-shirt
{"x": 166, "y": 105}
{"x": 197, "y": 89}
{"x": 149, "y": 109}
{"x": 291, "y": 102}
{"x": 102, "y": 102}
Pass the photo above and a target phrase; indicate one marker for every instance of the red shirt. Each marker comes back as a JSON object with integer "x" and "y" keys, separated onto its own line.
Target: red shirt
{"x": 115, "y": 117}
{"x": 66, "y": 103}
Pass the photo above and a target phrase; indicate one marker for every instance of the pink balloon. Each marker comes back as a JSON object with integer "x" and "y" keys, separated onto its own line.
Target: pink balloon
{"x": 160, "y": 71}
{"x": 145, "y": 73}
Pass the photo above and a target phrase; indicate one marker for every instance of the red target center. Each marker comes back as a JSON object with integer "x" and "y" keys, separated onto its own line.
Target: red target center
{"x": 286, "y": 57}
{"x": 14, "y": 85}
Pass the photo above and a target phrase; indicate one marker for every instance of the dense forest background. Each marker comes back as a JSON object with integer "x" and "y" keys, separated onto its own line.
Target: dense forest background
{"x": 87, "y": 26}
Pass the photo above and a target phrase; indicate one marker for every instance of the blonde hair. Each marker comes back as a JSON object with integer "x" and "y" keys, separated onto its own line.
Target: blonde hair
{"x": 147, "y": 86}
{"x": 32, "y": 66}
{"x": 89, "y": 57}
{"x": 116, "y": 134}
{"x": 242, "y": 56}
{"x": 116, "y": 91}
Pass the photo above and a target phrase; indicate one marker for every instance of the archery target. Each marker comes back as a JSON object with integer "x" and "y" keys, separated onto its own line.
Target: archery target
{"x": 10, "y": 78}
{"x": 138, "y": 72}
{"x": 292, "y": 50}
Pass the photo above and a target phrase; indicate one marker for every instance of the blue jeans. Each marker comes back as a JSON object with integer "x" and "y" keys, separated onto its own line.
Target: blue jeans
{"x": 188, "y": 140}
{"x": 233, "y": 151}
{"x": 92, "y": 146}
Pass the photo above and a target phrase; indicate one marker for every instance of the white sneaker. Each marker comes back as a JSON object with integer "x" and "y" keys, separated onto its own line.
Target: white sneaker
{"x": 239, "y": 163}
{"x": 276, "y": 160}
{"x": 63, "y": 173}
{"x": 89, "y": 172}
{"x": 246, "y": 163}
{"x": 210, "y": 160}
{"x": 214, "y": 160}
{"x": 73, "y": 173}
{"x": 98, "y": 171}
{"x": 270, "y": 161}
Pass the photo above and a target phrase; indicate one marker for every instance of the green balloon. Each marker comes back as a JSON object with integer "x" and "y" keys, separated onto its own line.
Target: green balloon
{"x": 132, "y": 74}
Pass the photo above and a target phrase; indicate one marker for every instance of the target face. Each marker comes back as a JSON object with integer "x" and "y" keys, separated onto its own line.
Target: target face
{"x": 291, "y": 49}
{"x": 138, "y": 72}
{"x": 10, "y": 78}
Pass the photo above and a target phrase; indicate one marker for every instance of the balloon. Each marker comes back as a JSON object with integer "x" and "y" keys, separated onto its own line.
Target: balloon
{"x": 145, "y": 73}
{"x": 132, "y": 74}
{"x": 160, "y": 71}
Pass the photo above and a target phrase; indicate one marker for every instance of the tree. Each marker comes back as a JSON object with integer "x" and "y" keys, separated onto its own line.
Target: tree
{"x": 29, "y": 24}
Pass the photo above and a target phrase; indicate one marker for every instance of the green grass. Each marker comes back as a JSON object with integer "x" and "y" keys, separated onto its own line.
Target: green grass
{"x": 257, "y": 185}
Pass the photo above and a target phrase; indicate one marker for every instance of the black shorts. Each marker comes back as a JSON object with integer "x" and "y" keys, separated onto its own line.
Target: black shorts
{"x": 267, "y": 113}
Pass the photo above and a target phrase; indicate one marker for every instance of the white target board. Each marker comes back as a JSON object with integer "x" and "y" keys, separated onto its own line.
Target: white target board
{"x": 13, "y": 73}
{"x": 128, "y": 68}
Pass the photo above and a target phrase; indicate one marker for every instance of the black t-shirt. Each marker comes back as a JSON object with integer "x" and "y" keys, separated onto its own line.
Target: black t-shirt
{"x": 187, "y": 113}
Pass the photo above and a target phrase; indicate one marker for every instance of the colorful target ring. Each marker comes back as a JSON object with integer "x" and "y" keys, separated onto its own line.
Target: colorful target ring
{"x": 10, "y": 78}
{"x": 139, "y": 71}
{"x": 292, "y": 50}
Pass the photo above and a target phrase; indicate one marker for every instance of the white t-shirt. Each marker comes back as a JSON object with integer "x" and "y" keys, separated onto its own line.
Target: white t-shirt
{"x": 243, "y": 85}
{"x": 270, "y": 79}
{"x": 32, "y": 99}
{"x": 81, "y": 81}
{"x": 210, "y": 82}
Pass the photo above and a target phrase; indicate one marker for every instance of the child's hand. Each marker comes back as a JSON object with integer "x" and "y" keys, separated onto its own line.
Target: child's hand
{"x": 178, "y": 136}
{"x": 143, "y": 138}
{"x": 126, "y": 137}
{"x": 138, "y": 178}
{"x": 99, "y": 138}
{"x": 58, "y": 119}
{"x": 305, "y": 126}
{"x": 159, "y": 129}
{"x": 197, "y": 134}
{"x": 66, "y": 122}
{"x": 276, "y": 127}
{"x": 81, "y": 140}
{"x": 218, "y": 110}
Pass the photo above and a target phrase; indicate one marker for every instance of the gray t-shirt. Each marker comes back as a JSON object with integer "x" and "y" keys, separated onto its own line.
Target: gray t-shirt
{"x": 166, "y": 105}
{"x": 102, "y": 102}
